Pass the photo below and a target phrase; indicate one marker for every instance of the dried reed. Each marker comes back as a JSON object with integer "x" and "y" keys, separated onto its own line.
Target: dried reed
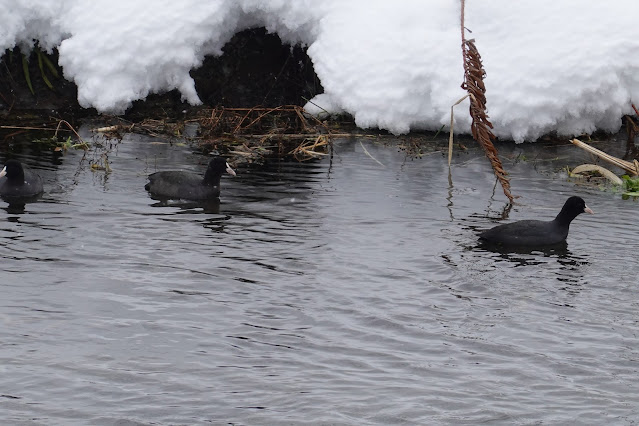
{"x": 630, "y": 167}
{"x": 474, "y": 74}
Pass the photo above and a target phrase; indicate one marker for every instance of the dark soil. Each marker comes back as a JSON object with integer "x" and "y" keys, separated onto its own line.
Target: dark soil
{"x": 255, "y": 69}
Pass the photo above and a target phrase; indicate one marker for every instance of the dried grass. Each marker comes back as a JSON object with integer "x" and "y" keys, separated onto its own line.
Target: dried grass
{"x": 249, "y": 134}
{"x": 258, "y": 132}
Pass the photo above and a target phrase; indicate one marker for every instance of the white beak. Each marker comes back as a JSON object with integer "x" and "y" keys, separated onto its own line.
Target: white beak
{"x": 4, "y": 171}
{"x": 229, "y": 170}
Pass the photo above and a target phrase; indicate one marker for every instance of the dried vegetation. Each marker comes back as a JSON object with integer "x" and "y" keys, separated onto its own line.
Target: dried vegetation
{"x": 474, "y": 74}
{"x": 247, "y": 135}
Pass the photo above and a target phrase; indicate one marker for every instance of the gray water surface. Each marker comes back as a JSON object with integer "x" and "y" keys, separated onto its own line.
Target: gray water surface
{"x": 338, "y": 291}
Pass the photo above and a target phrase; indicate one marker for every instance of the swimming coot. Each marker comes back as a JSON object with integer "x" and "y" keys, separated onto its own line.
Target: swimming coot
{"x": 19, "y": 181}
{"x": 529, "y": 233}
{"x": 187, "y": 185}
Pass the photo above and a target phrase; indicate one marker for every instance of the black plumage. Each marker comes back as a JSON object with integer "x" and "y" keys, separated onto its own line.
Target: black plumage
{"x": 189, "y": 186}
{"x": 534, "y": 233}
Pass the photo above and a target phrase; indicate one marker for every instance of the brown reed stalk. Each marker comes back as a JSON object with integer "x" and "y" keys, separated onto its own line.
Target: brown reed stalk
{"x": 474, "y": 74}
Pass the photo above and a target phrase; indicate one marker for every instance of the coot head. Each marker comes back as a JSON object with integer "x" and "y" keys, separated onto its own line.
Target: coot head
{"x": 217, "y": 167}
{"x": 573, "y": 207}
{"x": 13, "y": 171}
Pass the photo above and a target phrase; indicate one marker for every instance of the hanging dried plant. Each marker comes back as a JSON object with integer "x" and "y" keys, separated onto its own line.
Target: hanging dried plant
{"x": 474, "y": 74}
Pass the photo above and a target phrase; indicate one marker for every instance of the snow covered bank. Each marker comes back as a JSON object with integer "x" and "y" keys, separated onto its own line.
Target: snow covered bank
{"x": 569, "y": 66}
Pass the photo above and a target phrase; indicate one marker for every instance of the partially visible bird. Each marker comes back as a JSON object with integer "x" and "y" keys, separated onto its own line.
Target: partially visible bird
{"x": 17, "y": 181}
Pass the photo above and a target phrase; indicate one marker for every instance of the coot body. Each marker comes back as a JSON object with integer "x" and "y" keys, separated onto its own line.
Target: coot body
{"x": 17, "y": 181}
{"x": 189, "y": 186}
{"x": 535, "y": 233}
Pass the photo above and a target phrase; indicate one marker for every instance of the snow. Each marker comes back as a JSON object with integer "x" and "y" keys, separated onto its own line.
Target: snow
{"x": 568, "y": 66}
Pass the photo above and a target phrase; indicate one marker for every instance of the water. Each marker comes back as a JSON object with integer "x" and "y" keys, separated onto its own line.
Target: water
{"x": 333, "y": 292}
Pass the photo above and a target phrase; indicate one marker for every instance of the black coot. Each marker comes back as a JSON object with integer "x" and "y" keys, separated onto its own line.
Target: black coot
{"x": 187, "y": 185}
{"x": 19, "y": 181}
{"x": 529, "y": 233}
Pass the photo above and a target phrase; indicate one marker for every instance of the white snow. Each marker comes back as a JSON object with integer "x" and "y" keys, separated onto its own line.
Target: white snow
{"x": 569, "y": 66}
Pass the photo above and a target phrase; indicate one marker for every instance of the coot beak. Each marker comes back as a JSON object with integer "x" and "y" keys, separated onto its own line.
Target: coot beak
{"x": 4, "y": 171}
{"x": 230, "y": 171}
{"x": 588, "y": 210}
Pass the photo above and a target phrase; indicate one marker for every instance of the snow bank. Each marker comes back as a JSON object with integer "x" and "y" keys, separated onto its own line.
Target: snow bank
{"x": 566, "y": 66}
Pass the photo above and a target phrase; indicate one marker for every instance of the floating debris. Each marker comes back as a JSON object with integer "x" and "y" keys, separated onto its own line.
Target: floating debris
{"x": 580, "y": 171}
{"x": 632, "y": 168}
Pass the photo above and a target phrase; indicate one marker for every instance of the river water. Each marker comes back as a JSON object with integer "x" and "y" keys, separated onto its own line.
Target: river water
{"x": 349, "y": 290}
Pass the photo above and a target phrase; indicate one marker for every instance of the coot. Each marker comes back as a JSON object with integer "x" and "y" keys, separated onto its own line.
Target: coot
{"x": 19, "y": 182}
{"x": 529, "y": 233}
{"x": 187, "y": 185}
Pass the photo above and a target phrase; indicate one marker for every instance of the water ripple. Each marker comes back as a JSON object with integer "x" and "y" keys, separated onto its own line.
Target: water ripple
{"x": 328, "y": 292}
